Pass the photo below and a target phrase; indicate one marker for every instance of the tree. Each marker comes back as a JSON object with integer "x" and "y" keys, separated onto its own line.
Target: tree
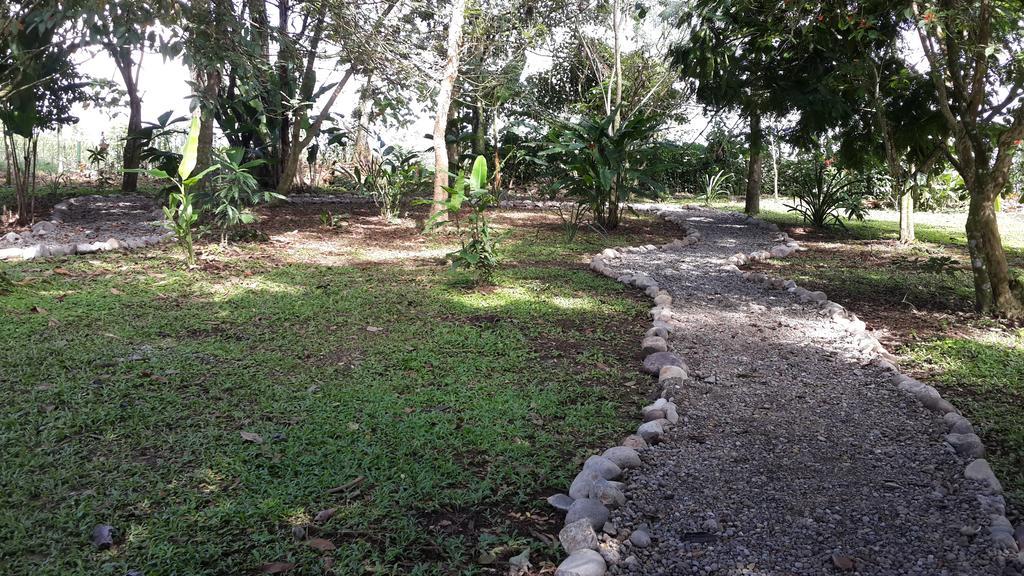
{"x": 973, "y": 52}
{"x": 41, "y": 85}
{"x": 443, "y": 103}
{"x": 759, "y": 58}
{"x": 124, "y": 29}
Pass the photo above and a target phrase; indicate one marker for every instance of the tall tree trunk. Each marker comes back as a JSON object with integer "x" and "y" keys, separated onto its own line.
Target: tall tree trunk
{"x": 208, "y": 79}
{"x": 361, "y": 148}
{"x": 453, "y": 136}
{"x": 906, "y": 197}
{"x": 443, "y": 104}
{"x": 993, "y": 293}
{"x": 497, "y": 154}
{"x": 775, "y": 167}
{"x": 754, "y": 170}
{"x": 132, "y": 155}
{"x": 479, "y": 129}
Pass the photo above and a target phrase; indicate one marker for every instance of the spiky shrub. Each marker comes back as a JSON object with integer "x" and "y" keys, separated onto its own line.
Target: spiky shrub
{"x": 390, "y": 179}
{"x": 714, "y": 187}
{"x": 825, "y": 194}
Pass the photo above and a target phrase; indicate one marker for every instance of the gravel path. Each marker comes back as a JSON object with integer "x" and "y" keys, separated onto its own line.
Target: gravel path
{"x": 87, "y": 224}
{"x": 793, "y": 455}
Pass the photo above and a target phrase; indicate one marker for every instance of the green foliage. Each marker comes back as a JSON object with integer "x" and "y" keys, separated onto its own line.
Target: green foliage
{"x": 602, "y": 166}
{"x": 182, "y": 212}
{"x": 390, "y": 179}
{"x": 824, "y": 194}
{"x": 235, "y": 192}
{"x": 479, "y": 242}
{"x": 714, "y": 187}
{"x": 329, "y": 219}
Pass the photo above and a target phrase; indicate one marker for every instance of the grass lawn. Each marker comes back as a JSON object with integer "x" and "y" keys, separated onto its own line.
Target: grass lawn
{"x": 925, "y": 316}
{"x": 205, "y": 414}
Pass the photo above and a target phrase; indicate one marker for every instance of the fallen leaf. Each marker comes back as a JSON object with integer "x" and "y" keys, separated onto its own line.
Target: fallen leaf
{"x": 373, "y": 329}
{"x": 251, "y": 437}
{"x": 353, "y": 426}
{"x": 116, "y": 292}
{"x": 276, "y": 567}
{"x": 842, "y": 562}
{"x": 53, "y": 322}
{"x": 321, "y": 544}
{"x": 324, "y": 515}
{"x": 38, "y": 310}
{"x": 62, "y": 271}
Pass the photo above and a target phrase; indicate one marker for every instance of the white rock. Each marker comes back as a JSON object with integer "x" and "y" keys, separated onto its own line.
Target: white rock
{"x": 9, "y": 253}
{"x": 35, "y": 251}
{"x": 669, "y": 372}
{"x": 582, "y": 563}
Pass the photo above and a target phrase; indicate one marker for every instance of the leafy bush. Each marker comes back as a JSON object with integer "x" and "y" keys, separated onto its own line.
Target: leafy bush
{"x": 714, "y": 187}
{"x": 390, "y": 179}
{"x": 824, "y": 193}
{"x": 602, "y": 167}
{"x": 479, "y": 243}
{"x": 234, "y": 192}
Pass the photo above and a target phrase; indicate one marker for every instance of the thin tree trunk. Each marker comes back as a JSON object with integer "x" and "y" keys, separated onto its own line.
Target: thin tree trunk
{"x": 993, "y": 293}
{"x": 775, "y": 167}
{"x": 906, "y": 197}
{"x": 497, "y": 154}
{"x": 444, "y": 101}
{"x": 361, "y": 148}
{"x": 479, "y": 129}
{"x": 132, "y": 155}
{"x": 453, "y": 135}
{"x": 754, "y": 170}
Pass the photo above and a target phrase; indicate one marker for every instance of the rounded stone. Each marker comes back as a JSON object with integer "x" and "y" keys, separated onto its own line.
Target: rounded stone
{"x": 653, "y": 344}
{"x": 634, "y": 441}
{"x": 582, "y": 563}
{"x": 578, "y": 535}
{"x": 560, "y": 502}
{"x": 603, "y": 467}
{"x": 653, "y": 363}
{"x": 623, "y": 456}
{"x": 668, "y": 372}
{"x": 591, "y": 509}
{"x": 651, "y": 432}
{"x": 640, "y": 538}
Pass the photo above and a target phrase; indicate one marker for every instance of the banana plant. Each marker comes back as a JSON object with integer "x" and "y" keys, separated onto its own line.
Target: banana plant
{"x": 181, "y": 213}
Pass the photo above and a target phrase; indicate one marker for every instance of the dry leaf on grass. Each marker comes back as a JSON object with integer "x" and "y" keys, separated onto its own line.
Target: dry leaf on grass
{"x": 251, "y": 437}
{"x": 321, "y": 544}
{"x": 276, "y": 567}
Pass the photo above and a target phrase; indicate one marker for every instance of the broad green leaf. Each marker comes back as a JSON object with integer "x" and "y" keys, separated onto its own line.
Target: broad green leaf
{"x": 478, "y": 178}
{"x": 190, "y": 153}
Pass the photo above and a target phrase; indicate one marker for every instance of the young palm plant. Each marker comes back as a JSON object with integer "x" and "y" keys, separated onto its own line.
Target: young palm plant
{"x": 714, "y": 187}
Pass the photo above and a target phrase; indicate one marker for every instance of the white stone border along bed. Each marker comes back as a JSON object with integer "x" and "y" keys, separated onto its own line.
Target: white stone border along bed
{"x": 60, "y": 212}
{"x": 597, "y": 487}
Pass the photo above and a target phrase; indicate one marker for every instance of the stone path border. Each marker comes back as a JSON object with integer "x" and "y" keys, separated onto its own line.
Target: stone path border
{"x": 597, "y": 487}
{"x": 60, "y": 213}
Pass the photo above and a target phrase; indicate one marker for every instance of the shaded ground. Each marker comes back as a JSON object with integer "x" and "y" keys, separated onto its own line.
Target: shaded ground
{"x": 430, "y": 414}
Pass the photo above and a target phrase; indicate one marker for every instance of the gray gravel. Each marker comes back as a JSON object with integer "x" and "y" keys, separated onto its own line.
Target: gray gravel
{"x": 90, "y": 219}
{"x": 793, "y": 455}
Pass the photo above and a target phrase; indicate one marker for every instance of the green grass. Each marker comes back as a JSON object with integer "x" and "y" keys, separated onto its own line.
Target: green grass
{"x": 126, "y": 383}
{"x": 938, "y": 228}
{"x": 985, "y": 379}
